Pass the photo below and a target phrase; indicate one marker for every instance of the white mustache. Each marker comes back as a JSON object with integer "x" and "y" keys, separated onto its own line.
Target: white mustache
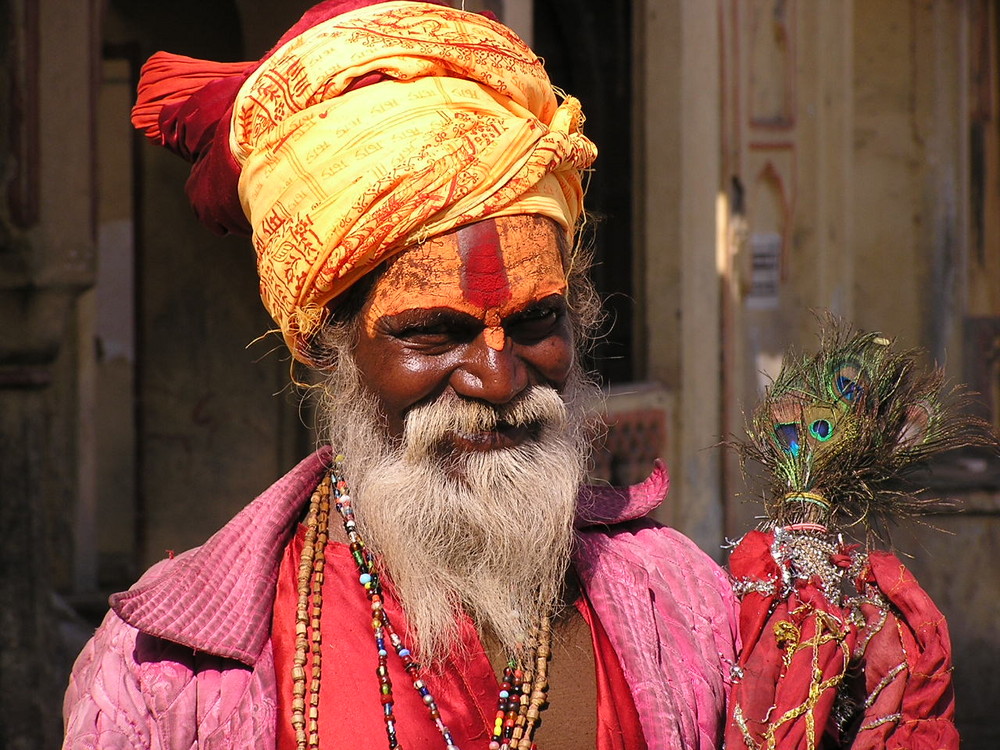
{"x": 427, "y": 425}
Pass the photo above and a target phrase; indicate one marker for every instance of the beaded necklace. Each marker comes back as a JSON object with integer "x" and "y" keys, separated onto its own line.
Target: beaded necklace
{"x": 523, "y": 690}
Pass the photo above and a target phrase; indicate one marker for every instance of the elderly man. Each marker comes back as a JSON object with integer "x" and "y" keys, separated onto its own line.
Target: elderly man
{"x": 440, "y": 576}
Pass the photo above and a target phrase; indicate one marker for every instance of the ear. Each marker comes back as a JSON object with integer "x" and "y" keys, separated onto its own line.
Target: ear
{"x": 918, "y": 421}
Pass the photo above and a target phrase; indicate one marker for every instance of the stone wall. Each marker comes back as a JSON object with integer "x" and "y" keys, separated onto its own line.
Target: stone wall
{"x": 46, "y": 260}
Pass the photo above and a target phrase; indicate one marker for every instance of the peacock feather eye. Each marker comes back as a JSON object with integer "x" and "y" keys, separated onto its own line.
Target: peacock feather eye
{"x": 845, "y": 381}
{"x": 787, "y": 434}
{"x": 821, "y": 429}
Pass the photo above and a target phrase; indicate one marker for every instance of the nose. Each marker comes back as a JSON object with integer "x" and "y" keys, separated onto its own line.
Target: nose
{"x": 496, "y": 376}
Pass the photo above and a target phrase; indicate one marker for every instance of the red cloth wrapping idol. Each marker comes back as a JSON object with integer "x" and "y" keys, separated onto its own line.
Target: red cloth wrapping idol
{"x": 869, "y": 670}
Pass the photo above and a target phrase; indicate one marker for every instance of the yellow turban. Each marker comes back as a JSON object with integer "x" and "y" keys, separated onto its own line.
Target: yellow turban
{"x": 462, "y": 125}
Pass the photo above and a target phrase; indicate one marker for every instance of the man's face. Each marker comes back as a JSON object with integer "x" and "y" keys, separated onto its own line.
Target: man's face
{"x": 479, "y": 313}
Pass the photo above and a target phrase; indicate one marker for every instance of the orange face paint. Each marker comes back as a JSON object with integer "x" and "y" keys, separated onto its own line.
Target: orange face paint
{"x": 489, "y": 270}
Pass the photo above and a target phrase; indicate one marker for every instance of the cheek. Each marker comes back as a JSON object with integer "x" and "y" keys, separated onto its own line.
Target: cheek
{"x": 397, "y": 378}
{"x": 553, "y": 358}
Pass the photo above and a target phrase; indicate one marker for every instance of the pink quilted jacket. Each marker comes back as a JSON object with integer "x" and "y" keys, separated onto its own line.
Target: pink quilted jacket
{"x": 184, "y": 658}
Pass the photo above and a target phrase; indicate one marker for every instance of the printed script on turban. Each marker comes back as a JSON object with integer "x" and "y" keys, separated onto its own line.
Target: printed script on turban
{"x": 461, "y": 125}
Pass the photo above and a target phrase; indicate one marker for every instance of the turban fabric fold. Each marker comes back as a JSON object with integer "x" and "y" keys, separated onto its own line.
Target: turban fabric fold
{"x": 364, "y": 134}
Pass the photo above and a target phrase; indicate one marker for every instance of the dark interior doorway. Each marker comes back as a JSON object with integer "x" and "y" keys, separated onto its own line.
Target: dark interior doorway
{"x": 587, "y": 48}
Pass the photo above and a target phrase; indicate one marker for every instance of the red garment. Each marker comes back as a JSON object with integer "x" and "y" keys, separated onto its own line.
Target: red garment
{"x": 186, "y": 657}
{"x": 465, "y": 686}
{"x": 618, "y": 725}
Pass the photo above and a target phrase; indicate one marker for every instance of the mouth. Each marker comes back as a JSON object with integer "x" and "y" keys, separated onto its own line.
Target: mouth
{"x": 502, "y": 436}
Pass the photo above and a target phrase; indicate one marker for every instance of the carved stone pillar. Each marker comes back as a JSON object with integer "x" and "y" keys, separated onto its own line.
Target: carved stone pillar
{"x": 46, "y": 258}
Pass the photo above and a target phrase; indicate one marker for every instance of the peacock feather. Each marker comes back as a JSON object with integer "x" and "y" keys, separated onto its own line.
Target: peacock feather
{"x": 838, "y": 431}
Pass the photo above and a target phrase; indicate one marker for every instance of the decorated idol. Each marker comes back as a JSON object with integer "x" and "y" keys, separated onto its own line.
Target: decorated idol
{"x": 842, "y": 648}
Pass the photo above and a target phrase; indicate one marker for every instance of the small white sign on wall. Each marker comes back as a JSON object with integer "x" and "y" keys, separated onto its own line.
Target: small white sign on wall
{"x": 765, "y": 270}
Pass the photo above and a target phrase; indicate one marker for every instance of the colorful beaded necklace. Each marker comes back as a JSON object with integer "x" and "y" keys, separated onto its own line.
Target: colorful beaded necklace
{"x": 523, "y": 690}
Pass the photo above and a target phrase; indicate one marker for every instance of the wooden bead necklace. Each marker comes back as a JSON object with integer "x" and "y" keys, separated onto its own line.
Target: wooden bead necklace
{"x": 523, "y": 691}
{"x": 307, "y": 619}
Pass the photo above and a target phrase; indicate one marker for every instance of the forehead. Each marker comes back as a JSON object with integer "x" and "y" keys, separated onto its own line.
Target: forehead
{"x": 488, "y": 270}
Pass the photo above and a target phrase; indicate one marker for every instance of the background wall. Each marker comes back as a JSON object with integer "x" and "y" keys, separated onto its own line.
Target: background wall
{"x": 760, "y": 158}
{"x": 836, "y": 156}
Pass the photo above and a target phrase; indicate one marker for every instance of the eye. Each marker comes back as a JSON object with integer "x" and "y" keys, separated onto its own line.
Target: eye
{"x": 434, "y": 335}
{"x": 535, "y": 323}
{"x": 787, "y": 434}
{"x": 821, "y": 429}
{"x": 429, "y": 330}
{"x": 423, "y": 333}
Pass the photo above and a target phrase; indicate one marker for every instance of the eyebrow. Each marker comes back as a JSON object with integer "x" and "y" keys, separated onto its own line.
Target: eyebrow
{"x": 425, "y": 315}
{"x": 430, "y": 321}
{"x": 552, "y": 301}
{"x": 445, "y": 314}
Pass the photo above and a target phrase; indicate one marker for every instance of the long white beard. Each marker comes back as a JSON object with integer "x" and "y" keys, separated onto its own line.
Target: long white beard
{"x": 487, "y": 532}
